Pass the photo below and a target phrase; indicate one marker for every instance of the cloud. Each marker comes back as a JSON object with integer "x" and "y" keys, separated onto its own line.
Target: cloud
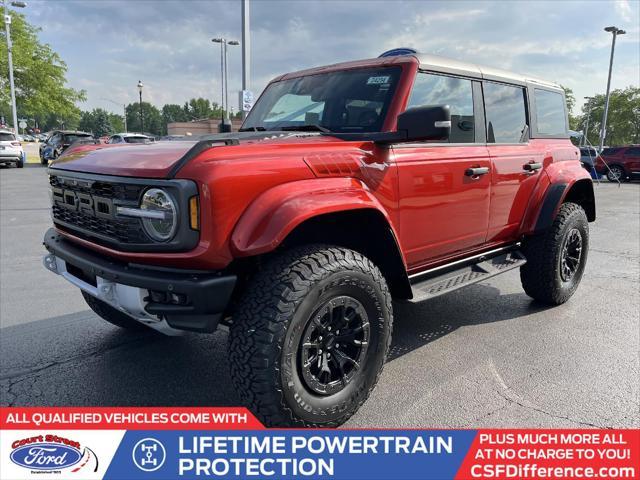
{"x": 167, "y": 44}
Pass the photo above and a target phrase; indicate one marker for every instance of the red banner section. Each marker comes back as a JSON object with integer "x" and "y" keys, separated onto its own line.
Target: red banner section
{"x": 506, "y": 454}
{"x": 128, "y": 418}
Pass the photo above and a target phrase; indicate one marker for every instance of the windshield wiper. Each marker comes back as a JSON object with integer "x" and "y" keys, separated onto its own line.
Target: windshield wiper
{"x": 305, "y": 128}
{"x": 253, "y": 129}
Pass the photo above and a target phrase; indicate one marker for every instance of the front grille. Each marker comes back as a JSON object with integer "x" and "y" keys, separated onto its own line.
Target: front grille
{"x": 86, "y": 206}
{"x": 123, "y": 231}
{"x": 104, "y": 227}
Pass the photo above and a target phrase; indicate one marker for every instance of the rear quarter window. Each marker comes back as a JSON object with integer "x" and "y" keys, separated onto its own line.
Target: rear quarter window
{"x": 550, "y": 113}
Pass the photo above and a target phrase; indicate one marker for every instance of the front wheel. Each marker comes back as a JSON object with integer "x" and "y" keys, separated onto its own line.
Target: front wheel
{"x": 616, "y": 173}
{"x": 556, "y": 258}
{"x": 310, "y": 337}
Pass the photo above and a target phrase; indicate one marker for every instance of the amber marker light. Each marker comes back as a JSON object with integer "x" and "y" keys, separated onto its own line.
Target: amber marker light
{"x": 194, "y": 214}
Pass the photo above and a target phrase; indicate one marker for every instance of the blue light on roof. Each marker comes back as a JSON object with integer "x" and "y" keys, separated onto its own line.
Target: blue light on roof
{"x": 397, "y": 52}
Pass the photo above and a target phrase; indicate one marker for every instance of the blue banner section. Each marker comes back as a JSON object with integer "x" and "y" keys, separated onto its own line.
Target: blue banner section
{"x": 285, "y": 454}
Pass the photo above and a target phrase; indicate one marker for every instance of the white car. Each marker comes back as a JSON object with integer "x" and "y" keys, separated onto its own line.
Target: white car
{"x": 129, "y": 138}
{"x": 10, "y": 149}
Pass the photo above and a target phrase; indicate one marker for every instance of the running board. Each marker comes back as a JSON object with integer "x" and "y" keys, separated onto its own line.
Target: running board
{"x": 452, "y": 280}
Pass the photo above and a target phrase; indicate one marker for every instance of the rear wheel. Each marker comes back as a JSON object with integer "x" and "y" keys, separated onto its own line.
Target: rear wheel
{"x": 310, "y": 337}
{"x": 556, "y": 259}
{"x": 112, "y": 315}
{"x": 616, "y": 173}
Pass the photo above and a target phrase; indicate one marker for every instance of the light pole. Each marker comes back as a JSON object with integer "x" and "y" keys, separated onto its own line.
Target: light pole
{"x": 225, "y": 124}
{"x": 140, "y": 92}
{"x": 7, "y": 27}
{"x": 124, "y": 109}
{"x": 615, "y": 31}
{"x": 246, "y": 53}
{"x": 585, "y": 137}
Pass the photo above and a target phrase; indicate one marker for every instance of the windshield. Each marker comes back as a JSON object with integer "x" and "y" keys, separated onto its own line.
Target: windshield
{"x": 6, "y": 137}
{"x": 136, "y": 139}
{"x": 72, "y": 138}
{"x": 347, "y": 101}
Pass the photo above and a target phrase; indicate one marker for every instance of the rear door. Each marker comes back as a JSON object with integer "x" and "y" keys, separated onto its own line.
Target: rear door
{"x": 515, "y": 166}
{"x": 632, "y": 160}
{"x": 443, "y": 209}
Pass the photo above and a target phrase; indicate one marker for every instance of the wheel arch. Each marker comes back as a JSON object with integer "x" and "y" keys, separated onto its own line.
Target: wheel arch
{"x": 579, "y": 192}
{"x": 334, "y": 211}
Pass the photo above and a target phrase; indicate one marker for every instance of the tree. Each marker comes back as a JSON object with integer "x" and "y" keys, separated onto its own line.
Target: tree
{"x": 98, "y": 122}
{"x": 42, "y": 93}
{"x": 151, "y": 116}
{"x": 623, "y": 119}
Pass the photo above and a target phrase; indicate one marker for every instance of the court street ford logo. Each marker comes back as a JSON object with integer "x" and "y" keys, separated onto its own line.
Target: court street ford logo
{"x": 46, "y": 453}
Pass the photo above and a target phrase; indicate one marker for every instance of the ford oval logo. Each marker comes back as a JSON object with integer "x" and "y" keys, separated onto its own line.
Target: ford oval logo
{"x": 46, "y": 456}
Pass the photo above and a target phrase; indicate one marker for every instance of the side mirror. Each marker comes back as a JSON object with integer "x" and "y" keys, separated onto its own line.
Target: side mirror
{"x": 430, "y": 122}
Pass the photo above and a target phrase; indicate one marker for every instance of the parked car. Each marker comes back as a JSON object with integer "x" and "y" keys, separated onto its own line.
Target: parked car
{"x": 11, "y": 151}
{"x": 129, "y": 138}
{"x": 58, "y": 142}
{"x": 406, "y": 176}
{"x": 623, "y": 163}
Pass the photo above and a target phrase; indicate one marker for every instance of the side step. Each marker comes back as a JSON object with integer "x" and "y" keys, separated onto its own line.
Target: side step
{"x": 441, "y": 283}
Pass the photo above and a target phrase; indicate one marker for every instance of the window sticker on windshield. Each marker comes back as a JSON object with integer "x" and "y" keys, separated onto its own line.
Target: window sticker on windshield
{"x": 378, "y": 80}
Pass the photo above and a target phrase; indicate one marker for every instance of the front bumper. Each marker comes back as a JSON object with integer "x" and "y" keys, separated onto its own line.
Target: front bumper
{"x": 134, "y": 289}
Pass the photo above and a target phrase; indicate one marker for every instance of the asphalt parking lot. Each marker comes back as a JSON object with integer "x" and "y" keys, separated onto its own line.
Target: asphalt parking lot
{"x": 484, "y": 356}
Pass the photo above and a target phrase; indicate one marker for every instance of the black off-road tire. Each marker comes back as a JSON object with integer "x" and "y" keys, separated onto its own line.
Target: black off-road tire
{"x": 541, "y": 276}
{"x": 111, "y": 315}
{"x": 269, "y": 324}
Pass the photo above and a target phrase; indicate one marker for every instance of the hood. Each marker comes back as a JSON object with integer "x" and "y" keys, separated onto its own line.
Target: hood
{"x": 156, "y": 160}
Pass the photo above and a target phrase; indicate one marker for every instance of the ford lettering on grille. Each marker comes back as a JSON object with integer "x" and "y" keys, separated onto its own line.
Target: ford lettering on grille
{"x": 88, "y": 204}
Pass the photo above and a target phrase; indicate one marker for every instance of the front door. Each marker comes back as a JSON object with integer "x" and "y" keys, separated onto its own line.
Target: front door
{"x": 444, "y": 187}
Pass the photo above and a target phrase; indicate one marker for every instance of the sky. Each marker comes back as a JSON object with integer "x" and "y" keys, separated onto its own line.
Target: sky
{"x": 110, "y": 45}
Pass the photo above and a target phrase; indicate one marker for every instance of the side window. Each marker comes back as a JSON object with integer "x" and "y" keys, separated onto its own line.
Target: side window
{"x": 550, "y": 115}
{"x": 634, "y": 151}
{"x": 506, "y": 115}
{"x": 430, "y": 89}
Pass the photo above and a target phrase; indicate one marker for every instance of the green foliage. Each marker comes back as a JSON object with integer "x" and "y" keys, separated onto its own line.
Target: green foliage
{"x": 623, "y": 119}
{"x": 99, "y": 122}
{"x": 151, "y": 116}
{"x": 40, "y": 80}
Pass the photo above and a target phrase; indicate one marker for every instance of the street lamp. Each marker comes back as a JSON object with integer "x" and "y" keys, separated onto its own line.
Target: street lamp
{"x": 585, "y": 137}
{"x": 7, "y": 27}
{"x": 615, "y": 31}
{"x": 225, "y": 124}
{"x": 140, "y": 92}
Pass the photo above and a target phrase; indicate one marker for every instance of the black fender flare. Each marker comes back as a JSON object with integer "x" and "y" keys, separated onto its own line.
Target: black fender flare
{"x": 580, "y": 192}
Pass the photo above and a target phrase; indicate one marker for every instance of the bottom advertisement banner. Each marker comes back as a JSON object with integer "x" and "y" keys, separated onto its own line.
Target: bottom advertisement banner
{"x": 170, "y": 443}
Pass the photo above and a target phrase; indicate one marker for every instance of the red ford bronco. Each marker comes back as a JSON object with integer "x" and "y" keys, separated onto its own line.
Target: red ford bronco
{"x": 402, "y": 177}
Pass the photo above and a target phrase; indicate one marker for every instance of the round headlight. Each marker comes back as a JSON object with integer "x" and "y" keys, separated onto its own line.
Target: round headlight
{"x": 162, "y": 221}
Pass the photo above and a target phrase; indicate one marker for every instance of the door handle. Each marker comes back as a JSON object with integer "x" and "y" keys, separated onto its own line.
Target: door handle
{"x": 531, "y": 167}
{"x": 476, "y": 171}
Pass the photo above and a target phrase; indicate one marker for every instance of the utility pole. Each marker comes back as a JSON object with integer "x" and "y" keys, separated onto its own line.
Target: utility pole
{"x": 603, "y": 127}
{"x": 246, "y": 49}
{"x": 7, "y": 28}
{"x": 585, "y": 136}
{"x": 124, "y": 109}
